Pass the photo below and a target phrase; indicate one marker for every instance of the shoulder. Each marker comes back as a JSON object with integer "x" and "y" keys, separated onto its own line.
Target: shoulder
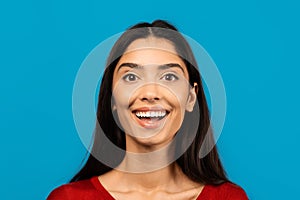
{"x": 233, "y": 191}
{"x": 84, "y": 189}
{"x": 225, "y": 191}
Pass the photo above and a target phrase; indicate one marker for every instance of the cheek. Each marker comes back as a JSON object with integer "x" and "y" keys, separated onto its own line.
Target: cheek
{"x": 120, "y": 99}
{"x": 179, "y": 95}
{"x": 122, "y": 95}
{"x": 120, "y": 103}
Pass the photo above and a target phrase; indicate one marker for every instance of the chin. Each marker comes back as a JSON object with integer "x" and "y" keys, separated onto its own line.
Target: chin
{"x": 151, "y": 143}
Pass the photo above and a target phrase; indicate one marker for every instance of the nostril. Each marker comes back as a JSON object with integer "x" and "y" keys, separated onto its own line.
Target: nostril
{"x": 150, "y": 99}
{"x": 150, "y": 94}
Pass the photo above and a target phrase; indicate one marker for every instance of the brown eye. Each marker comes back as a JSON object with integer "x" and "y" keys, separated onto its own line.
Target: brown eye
{"x": 130, "y": 78}
{"x": 170, "y": 77}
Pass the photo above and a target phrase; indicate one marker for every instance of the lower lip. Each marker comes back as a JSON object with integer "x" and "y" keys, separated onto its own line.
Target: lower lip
{"x": 150, "y": 123}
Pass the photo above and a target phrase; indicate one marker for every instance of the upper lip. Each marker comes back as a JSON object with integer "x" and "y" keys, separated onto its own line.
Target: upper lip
{"x": 150, "y": 108}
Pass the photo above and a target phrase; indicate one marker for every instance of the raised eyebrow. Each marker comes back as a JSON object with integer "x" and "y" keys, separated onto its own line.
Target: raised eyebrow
{"x": 161, "y": 67}
{"x": 131, "y": 65}
{"x": 170, "y": 65}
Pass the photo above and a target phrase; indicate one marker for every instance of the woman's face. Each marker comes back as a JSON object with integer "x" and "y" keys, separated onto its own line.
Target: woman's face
{"x": 151, "y": 92}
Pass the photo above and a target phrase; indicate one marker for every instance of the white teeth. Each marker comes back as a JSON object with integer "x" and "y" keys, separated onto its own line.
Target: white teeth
{"x": 151, "y": 114}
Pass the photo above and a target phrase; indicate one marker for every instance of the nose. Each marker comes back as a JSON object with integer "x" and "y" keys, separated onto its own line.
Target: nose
{"x": 150, "y": 93}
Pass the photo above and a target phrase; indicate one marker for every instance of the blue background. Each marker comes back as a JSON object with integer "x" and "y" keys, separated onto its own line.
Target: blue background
{"x": 255, "y": 45}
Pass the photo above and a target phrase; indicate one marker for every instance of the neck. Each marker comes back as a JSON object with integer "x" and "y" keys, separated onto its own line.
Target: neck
{"x": 142, "y": 159}
{"x": 149, "y": 167}
{"x": 156, "y": 180}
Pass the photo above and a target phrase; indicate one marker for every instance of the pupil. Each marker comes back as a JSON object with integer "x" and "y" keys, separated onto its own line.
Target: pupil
{"x": 131, "y": 77}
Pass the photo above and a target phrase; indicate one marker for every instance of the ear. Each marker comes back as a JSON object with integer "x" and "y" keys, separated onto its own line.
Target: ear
{"x": 192, "y": 98}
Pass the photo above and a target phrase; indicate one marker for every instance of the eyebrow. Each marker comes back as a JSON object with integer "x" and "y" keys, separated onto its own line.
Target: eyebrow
{"x": 161, "y": 67}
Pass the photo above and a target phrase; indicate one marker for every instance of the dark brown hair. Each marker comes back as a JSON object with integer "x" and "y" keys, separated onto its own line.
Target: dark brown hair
{"x": 206, "y": 170}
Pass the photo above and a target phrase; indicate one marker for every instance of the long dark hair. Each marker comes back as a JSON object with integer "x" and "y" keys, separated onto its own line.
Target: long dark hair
{"x": 206, "y": 170}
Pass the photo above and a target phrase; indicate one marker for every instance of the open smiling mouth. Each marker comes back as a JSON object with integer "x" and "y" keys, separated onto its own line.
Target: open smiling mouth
{"x": 150, "y": 118}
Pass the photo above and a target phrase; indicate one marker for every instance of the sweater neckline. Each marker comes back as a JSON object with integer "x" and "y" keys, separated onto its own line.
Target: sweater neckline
{"x": 98, "y": 185}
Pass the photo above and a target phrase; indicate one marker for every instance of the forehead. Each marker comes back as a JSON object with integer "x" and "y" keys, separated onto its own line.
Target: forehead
{"x": 151, "y": 43}
{"x": 151, "y": 50}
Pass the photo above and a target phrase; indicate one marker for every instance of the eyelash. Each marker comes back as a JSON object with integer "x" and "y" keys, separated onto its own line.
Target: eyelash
{"x": 127, "y": 76}
{"x": 170, "y": 74}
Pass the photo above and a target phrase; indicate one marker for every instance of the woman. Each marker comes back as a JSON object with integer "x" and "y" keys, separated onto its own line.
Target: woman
{"x": 152, "y": 106}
